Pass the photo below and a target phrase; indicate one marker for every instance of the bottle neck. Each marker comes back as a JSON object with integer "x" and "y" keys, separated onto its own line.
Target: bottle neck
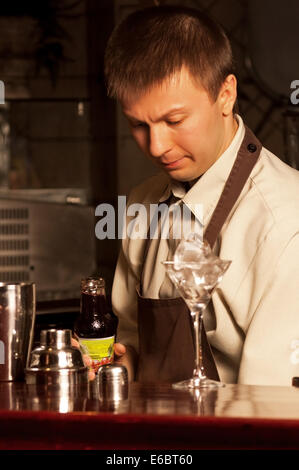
{"x": 93, "y": 306}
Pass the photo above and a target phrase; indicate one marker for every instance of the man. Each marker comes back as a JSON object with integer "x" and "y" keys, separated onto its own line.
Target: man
{"x": 171, "y": 69}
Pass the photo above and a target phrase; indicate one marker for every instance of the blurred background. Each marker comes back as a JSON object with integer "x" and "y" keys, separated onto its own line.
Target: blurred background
{"x": 65, "y": 147}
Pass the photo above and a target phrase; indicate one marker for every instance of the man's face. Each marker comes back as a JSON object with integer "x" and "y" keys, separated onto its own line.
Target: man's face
{"x": 179, "y": 127}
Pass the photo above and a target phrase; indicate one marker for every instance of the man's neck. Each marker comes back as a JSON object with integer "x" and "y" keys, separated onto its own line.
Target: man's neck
{"x": 230, "y": 130}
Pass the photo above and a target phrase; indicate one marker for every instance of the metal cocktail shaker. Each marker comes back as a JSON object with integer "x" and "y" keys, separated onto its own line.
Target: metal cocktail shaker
{"x": 17, "y": 318}
{"x": 56, "y": 362}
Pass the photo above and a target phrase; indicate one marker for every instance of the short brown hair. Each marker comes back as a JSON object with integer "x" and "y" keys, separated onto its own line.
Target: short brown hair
{"x": 152, "y": 44}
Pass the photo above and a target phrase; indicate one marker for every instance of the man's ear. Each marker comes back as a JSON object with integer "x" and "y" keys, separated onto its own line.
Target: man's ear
{"x": 228, "y": 94}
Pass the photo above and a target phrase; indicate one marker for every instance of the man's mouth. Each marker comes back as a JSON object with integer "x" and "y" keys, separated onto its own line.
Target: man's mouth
{"x": 173, "y": 164}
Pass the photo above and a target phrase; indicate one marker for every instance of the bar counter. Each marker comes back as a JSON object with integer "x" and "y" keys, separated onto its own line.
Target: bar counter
{"x": 155, "y": 416}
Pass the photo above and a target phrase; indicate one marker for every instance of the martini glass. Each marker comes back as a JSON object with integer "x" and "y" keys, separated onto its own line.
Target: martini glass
{"x": 195, "y": 272}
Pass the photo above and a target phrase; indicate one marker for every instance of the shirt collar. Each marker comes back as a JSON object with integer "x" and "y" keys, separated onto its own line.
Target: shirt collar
{"x": 208, "y": 188}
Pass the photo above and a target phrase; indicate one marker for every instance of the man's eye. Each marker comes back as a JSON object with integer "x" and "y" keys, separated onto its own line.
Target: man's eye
{"x": 137, "y": 125}
{"x": 173, "y": 123}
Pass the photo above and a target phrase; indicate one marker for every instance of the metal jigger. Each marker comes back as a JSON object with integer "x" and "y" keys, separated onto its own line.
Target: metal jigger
{"x": 113, "y": 385}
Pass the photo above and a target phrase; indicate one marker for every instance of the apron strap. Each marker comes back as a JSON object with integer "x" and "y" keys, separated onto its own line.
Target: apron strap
{"x": 246, "y": 159}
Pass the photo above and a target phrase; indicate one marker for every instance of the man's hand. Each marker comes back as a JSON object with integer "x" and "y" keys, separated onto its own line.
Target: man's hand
{"x": 87, "y": 360}
{"x": 127, "y": 356}
{"x": 119, "y": 352}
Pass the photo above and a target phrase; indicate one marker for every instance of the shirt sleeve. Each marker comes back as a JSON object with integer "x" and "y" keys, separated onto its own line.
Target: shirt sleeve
{"x": 124, "y": 302}
{"x": 271, "y": 349}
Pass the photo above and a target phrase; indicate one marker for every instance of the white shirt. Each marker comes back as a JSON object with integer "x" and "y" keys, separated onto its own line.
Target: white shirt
{"x": 252, "y": 321}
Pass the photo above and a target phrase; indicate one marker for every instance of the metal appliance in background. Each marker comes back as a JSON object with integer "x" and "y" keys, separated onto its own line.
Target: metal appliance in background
{"x": 47, "y": 237}
{"x": 273, "y": 60}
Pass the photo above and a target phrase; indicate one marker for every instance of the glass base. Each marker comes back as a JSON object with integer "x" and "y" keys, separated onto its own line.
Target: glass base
{"x": 197, "y": 383}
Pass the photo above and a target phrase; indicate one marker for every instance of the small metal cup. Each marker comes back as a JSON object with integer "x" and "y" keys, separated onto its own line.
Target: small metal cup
{"x": 17, "y": 318}
{"x": 113, "y": 383}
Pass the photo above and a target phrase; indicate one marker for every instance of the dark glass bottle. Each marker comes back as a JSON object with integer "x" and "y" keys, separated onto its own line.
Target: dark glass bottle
{"x": 95, "y": 326}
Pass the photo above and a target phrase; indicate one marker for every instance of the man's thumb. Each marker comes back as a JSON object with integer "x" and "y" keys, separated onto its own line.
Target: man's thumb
{"x": 119, "y": 349}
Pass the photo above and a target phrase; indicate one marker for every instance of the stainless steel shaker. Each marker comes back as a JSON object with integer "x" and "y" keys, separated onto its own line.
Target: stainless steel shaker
{"x": 56, "y": 362}
{"x": 17, "y": 318}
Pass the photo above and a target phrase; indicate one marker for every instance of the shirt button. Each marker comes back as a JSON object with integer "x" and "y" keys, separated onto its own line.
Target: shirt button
{"x": 251, "y": 148}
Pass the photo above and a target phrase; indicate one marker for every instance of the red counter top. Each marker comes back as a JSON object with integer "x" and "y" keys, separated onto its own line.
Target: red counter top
{"x": 155, "y": 416}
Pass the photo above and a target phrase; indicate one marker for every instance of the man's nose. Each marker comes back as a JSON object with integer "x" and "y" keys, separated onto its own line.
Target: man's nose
{"x": 159, "y": 142}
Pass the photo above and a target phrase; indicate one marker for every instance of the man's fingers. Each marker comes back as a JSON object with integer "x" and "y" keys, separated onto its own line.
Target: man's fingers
{"x": 75, "y": 343}
{"x": 91, "y": 375}
{"x": 87, "y": 360}
{"x": 119, "y": 349}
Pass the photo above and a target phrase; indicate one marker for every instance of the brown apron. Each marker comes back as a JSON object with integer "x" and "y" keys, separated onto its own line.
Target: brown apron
{"x": 166, "y": 342}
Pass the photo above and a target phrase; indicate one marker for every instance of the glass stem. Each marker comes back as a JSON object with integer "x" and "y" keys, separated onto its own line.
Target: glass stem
{"x": 197, "y": 317}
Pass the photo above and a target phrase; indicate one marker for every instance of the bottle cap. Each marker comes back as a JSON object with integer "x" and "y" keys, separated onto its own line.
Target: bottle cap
{"x": 93, "y": 286}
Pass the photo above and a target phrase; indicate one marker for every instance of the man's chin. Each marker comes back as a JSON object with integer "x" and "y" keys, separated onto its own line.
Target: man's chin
{"x": 181, "y": 175}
